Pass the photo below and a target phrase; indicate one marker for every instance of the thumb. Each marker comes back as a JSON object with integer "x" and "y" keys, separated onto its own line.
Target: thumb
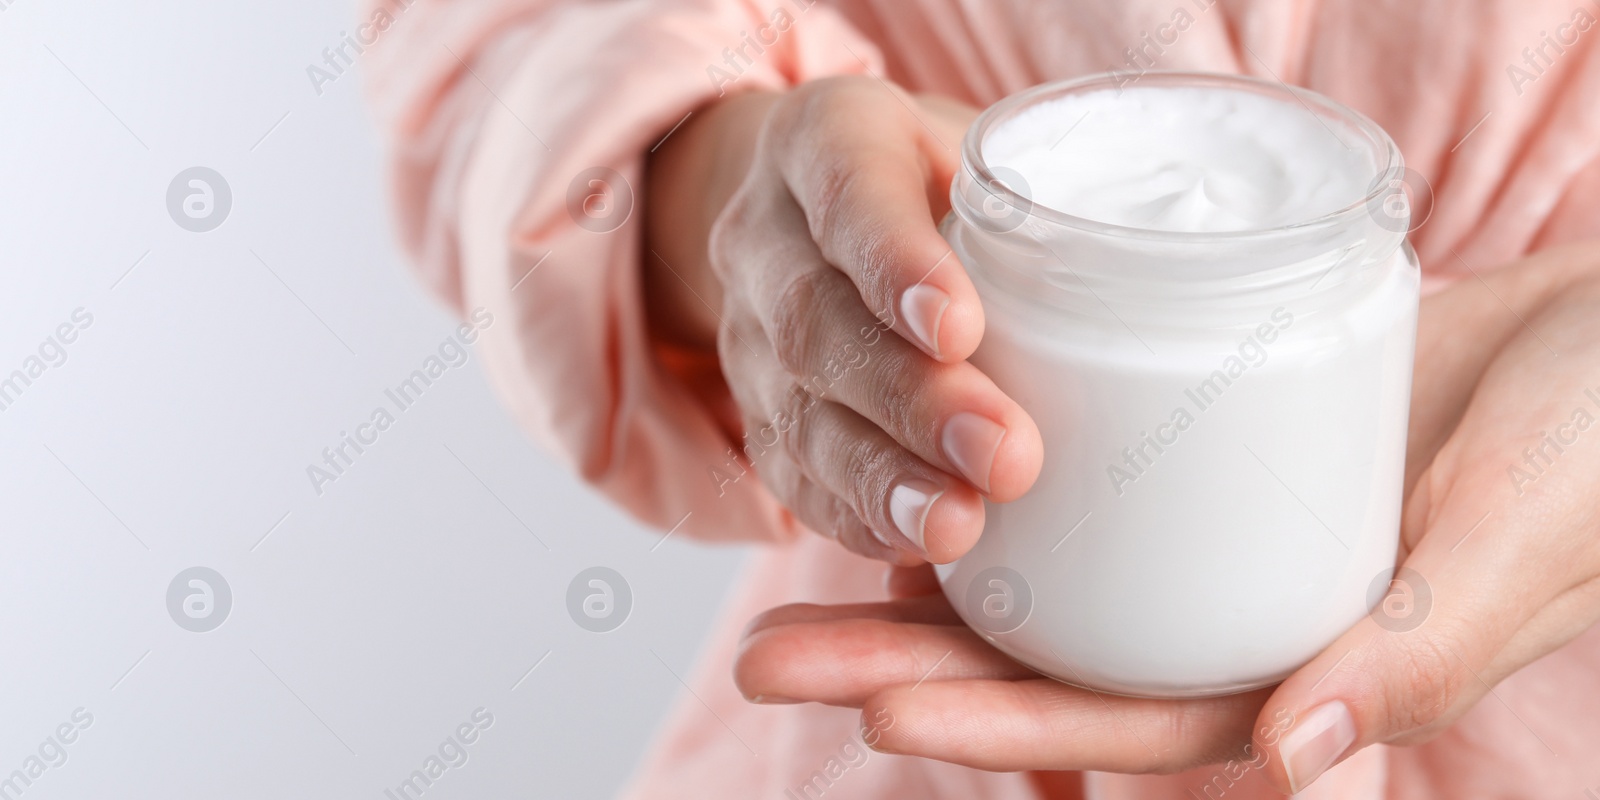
{"x": 1433, "y": 644}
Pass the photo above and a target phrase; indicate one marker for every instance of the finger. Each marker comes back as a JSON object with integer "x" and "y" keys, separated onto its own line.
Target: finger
{"x": 1490, "y": 585}
{"x": 771, "y": 404}
{"x": 950, "y": 415}
{"x": 831, "y": 515}
{"x": 824, "y": 336}
{"x": 908, "y": 502}
{"x": 929, "y": 610}
{"x": 1463, "y": 329}
{"x": 842, "y": 662}
{"x": 1378, "y": 685}
{"x": 821, "y": 460}
{"x": 828, "y": 514}
{"x": 907, "y": 582}
{"x": 865, "y": 195}
{"x": 1041, "y": 724}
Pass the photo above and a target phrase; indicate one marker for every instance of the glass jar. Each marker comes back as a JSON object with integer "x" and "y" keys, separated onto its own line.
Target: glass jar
{"x": 1224, "y": 420}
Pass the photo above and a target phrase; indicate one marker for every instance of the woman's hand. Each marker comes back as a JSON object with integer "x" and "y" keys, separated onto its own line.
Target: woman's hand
{"x": 1501, "y": 565}
{"x": 845, "y": 320}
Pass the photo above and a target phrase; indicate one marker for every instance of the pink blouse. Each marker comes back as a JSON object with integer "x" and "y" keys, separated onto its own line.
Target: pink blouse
{"x": 494, "y": 107}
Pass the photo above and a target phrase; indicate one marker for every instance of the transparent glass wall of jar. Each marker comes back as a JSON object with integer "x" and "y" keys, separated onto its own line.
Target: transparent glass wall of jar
{"x": 1224, "y": 419}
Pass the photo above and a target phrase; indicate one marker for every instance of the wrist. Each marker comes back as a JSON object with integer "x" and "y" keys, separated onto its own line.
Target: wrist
{"x": 690, "y": 177}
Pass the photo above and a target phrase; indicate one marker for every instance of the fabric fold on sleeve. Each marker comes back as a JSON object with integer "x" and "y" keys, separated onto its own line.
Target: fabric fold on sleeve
{"x": 520, "y": 132}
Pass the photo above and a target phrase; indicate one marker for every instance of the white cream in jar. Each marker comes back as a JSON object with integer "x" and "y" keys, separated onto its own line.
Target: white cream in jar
{"x": 1199, "y": 289}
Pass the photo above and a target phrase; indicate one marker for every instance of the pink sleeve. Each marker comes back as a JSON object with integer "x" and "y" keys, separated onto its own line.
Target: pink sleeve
{"x": 493, "y": 109}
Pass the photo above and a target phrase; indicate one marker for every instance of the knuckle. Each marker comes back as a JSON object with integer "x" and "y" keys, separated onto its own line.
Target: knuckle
{"x": 738, "y": 360}
{"x": 807, "y": 111}
{"x": 727, "y": 356}
{"x": 822, "y": 99}
{"x": 755, "y": 447}
{"x": 724, "y": 243}
{"x": 897, "y": 378}
{"x": 829, "y": 197}
{"x": 782, "y": 479}
{"x": 846, "y": 525}
{"x": 1198, "y": 729}
{"x": 795, "y": 429}
{"x": 878, "y": 256}
{"x": 869, "y": 468}
{"x": 719, "y": 245}
{"x": 1429, "y": 681}
{"x": 827, "y": 515}
{"x": 791, "y": 324}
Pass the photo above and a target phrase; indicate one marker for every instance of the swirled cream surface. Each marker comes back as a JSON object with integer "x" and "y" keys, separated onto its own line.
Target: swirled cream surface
{"x": 1179, "y": 159}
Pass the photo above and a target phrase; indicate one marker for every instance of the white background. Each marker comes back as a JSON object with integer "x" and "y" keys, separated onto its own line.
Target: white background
{"x": 372, "y": 620}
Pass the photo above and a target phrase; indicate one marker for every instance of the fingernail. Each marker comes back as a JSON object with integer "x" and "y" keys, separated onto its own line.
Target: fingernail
{"x": 881, "y": 539}
{"x": 923, "y": 307}
{"x": 970, "y": 442}
{"x": 772, "y": 700}
{"x": 909, "y": 504}
{"x": 1316, "y": 743}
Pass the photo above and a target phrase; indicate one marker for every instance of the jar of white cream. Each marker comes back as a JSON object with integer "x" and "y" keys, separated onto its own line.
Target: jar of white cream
{"x": 1199, "y": 287}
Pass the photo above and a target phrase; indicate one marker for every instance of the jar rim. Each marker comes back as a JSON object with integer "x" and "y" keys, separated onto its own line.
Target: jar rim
{"x": 979, "y": 169}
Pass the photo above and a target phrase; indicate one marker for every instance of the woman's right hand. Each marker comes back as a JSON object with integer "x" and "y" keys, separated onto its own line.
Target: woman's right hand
{"x": 846, "y": 322}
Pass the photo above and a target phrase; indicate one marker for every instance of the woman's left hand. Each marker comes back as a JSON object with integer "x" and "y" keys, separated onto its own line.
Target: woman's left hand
{"x": 1500, "y": 566}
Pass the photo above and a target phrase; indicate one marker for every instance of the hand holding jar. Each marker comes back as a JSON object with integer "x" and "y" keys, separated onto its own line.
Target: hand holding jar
{"x": 844, "y": 323}
{"x": 1491, "y": 579}
{"x": 1239, "y": 426}
{"x": 1241, "y": 539}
